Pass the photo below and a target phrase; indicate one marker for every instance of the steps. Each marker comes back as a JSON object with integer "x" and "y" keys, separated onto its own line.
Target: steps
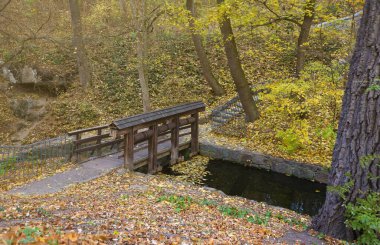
{"x": 229, "y": 111}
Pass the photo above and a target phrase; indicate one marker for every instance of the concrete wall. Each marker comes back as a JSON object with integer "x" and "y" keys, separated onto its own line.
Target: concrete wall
{"x": 258, "y": 160}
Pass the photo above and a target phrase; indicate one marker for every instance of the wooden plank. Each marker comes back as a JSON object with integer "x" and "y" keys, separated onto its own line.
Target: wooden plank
{"x": 146, "y": 134}
{"x": 79, "y": 131}
{"x": 91, "y": 139}
{"x": 174, "y": 151}
{"x": 152, "y": 150}
{"x": 195, "y": 135}
{"x": 94, "y": 147}
{"x": 129, "y": 144}
{"x": 146, "y": 118}
{"x": 163, "y": 153}
{"x": 184, "y": 134}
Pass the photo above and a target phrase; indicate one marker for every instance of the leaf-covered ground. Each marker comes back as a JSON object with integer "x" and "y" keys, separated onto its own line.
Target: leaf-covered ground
{"x": 135, "y": 208}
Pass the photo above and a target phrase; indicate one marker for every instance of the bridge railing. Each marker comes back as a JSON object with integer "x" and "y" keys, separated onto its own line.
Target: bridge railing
{"x": 93, "y": 142}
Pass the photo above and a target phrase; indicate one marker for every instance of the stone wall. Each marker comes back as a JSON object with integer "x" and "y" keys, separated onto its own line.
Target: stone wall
{"x": 258, "y": 160}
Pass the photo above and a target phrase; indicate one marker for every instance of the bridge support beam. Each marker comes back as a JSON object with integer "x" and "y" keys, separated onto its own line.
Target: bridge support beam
{"x": 195, "y": 135}
{"x": 152, "y": 150}
{"x": 129, "y": 144}
{"x": 174, "y": 152}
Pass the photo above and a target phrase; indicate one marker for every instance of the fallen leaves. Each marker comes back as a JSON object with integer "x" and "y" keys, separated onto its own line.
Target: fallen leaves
{"x": 124, "y": 208}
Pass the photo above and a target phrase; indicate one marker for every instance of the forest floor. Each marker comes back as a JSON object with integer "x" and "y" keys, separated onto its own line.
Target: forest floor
{"x": 135, "y": 208}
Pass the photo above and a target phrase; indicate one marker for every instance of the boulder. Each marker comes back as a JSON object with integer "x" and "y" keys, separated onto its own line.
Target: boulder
{"x": 29, "y": 75}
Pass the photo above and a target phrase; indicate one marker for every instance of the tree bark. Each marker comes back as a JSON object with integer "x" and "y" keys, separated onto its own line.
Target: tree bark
{"x": 138, "y": 8}
{"x": 123, "y": 7}
{"x": 203, "y": 60}
{"x": 79, "y": 48}
{"x": 359, "y": 129}
{"x": 237, "y": 72}
{"x": 304, "y": 34}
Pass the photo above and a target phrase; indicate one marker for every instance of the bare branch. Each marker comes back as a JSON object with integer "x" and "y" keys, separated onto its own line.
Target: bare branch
{"x": 5, "y": 5}
{"x": 279, "y": 17}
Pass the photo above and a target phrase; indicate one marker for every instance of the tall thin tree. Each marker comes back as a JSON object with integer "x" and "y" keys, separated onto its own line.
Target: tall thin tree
{"x": 309, "y": 14}
{"x": 358, "y": 132}
{"x": 138, "y": 9}
{"x": 79, "y": 47}
{"x": 236, "y": 70}
{"x": 202, "y": 56}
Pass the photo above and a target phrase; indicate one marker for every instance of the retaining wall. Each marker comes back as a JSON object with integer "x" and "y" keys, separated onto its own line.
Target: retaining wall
{"x": 258, "y": 160}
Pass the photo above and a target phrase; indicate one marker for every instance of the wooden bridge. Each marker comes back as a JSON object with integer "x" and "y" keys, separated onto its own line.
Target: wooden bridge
{"x": 143, "y": 139}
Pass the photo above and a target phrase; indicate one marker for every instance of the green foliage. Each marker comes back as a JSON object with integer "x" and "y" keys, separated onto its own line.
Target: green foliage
{"x": 181, "y": 203}
{"x": 232, "y": 211}
{"x": 43, "y": 212}
{"x": 207, "y": 202}
{"x": 342, "y": 190}
{"x": 291, "y": 221}
{"x": 299, "y": 117}
{"x": 30, "y": 234}
{"x": 364, "y": 217}
{"x": 366, "y": 160}
{"x": 291, "y": 140}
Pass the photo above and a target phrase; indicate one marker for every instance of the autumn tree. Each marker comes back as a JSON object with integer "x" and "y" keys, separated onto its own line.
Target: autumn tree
{"x": 304, "y": 24}
{"x": 202, "y": 56}
{"x": 303, "y": 37}
{"x": 236, "y": 70}
{"x": 142, "y": 22}
{"x": 358, "y": 133}
{"x": 78, "y": 43}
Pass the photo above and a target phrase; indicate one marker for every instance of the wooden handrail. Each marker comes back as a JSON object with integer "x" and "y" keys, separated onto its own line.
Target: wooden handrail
{"x": 91, "y": 139}
{"x": 80, "y": 131}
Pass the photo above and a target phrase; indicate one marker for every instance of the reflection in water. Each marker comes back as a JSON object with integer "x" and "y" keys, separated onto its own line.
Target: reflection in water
{"x": 300, "y": 195}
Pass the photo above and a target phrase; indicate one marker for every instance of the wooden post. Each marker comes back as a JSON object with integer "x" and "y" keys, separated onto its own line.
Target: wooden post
{"x": 77, "y": 155}
{"x": 195, "y": 135}
{"x": 174, "y": 152}
{"x": 98, "y": 142}
{"x": 128, "y": 149}
{"x": 152, "y": 150}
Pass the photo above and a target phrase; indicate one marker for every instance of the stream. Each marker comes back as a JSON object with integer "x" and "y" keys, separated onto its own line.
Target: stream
{"x": 300, "y": 195}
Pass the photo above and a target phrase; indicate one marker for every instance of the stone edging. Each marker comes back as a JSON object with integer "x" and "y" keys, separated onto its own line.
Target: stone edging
{"x": 258, "y": 160}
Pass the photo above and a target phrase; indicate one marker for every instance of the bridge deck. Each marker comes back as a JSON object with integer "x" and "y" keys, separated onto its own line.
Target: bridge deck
{"x": 89, "y": 170}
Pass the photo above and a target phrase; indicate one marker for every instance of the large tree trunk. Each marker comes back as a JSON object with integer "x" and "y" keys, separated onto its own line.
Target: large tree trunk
{"x": 82, "y": 59}
{"x": 304, "y": 34}
{"x": 359, "y": 129}
{"x": 138, "y": 8}
{"x": 236, "y": 69}
{"x": 205, "y": 64}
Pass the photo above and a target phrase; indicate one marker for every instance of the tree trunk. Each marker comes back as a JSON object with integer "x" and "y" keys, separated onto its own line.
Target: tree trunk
{"x": 123, "y": 7}
{"x": 142, "y": 75}
{"x": 304, "y": 34}
{"x": 237, "y": 72}
{"x": 79, "y": 48}
{"x": 138, "y": 8}
{"x": 359, "y": 129}
{"x": 205, "y": 64}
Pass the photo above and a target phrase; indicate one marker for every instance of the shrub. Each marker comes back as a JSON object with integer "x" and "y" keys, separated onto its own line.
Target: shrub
{"x": 364, "y": 217}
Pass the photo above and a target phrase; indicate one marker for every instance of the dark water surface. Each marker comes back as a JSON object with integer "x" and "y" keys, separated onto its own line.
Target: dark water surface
{"x": 300, "y": 195}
